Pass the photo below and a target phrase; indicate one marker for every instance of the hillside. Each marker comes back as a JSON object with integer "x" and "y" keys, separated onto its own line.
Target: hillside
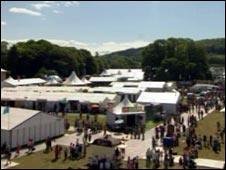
{"x": 215, "y": 49}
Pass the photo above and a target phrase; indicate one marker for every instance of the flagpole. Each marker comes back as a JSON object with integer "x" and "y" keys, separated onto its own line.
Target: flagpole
{"x": 8, "y": 125}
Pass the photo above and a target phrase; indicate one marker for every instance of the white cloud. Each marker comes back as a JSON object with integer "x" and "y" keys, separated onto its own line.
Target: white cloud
{"x": 24, "y": 11}
{"x": 49, "y": 2}
{"x": 3, "y": 23}
{"x": 57, "y": 12}
{"x": 101, "y": 48}
{"x": 71, "y": 3}
{"x": 40, "y": 6}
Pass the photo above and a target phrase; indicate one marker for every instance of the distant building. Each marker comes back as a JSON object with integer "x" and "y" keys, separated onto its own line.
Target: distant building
{"x": 20, "y": 125}
{"x": 54, "y": 101}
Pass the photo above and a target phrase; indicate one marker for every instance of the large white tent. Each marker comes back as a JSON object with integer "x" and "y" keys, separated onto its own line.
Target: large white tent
{"x": 20, "y": 125}
{"x": 168, "y": 100}
{"x": 73, "y": 80}
{"x": 10, "y": 82}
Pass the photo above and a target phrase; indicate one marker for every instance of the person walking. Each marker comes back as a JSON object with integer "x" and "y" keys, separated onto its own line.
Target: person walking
{"x": 17, "y": 150}
{"x": 65, "y": 153}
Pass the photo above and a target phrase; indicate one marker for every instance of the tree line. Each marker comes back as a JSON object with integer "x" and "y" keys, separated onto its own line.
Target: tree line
{"x": 170, "y": 59}
{"x": 37, "y": 58}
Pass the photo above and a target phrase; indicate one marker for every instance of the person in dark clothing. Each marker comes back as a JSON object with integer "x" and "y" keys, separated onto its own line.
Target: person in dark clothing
{"x": 211, "y": 141}
{"x": 65, "y": 153}
{"x": 204, "y": 140}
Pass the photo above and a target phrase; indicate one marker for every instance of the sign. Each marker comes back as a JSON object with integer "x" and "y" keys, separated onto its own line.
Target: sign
{"x": 132, "y": 109}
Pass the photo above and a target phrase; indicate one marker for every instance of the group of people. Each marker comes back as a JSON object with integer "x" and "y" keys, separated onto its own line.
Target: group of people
{"x": 75, "y": 150}
{"x": 138, "y": 132}
{"x": 104, "y": 162}
{"x": 133, "y": 163}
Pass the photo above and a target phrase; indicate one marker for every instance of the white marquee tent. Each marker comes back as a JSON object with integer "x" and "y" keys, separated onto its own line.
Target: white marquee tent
{"x": 20, "y": 125}
{"x": 73, "y": 80}
{"x": 168, "y": 100}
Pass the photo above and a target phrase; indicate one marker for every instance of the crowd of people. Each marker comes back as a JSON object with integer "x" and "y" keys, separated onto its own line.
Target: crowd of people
{"x": 194, "y": 142}
{"x": 104, "y": 162}
{"x": 97, "y": 162}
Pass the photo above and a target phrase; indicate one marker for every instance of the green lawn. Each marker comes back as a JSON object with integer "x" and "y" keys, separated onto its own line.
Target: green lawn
{"x": 72, "y": 116}
{"x": 40, "y": 160}
{"x": 151, "y": 124}
{"x": 207, "y": 126}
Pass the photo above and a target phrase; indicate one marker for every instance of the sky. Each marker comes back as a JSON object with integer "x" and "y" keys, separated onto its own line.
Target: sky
{"x": 107, "y": 26}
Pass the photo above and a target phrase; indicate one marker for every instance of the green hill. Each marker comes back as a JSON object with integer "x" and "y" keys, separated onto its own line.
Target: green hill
{"x": 215, "y": 49}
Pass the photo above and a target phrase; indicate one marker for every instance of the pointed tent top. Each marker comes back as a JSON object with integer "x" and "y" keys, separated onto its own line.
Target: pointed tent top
{"x": 124, "y": 103}
{"x": 73, "y": 80}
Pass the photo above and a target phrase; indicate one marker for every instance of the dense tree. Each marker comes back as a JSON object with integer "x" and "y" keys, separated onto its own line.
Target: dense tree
{"x": 175, "y": 59}
{"x": 4, "y": 52}
{"x": 36, "y": 58}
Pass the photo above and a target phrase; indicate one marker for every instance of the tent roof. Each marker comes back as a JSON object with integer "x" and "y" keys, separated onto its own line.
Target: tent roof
{"x": 56, "y": 96}
{"x": 102, "y": 79}
{"x": 27, "y": 81}
{"x": 152, "y": 84}
{"x": 124, "y": 103}
{"x": 73, "y": 80}
{"x": 124, "y": 90}
{"x": 15, "y": 117}
{"x": 159, "y": 97}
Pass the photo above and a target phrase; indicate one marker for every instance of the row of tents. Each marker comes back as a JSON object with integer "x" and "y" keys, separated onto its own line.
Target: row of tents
{"x": 72, "y": 80}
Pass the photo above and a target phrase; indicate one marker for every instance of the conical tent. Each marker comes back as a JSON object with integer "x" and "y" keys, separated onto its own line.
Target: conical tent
{"x": 73, "y": 80}
{"x": 124, "y": 103}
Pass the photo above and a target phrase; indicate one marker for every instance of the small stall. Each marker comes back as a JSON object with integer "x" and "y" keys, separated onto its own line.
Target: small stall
{"x": 125, "y": 114}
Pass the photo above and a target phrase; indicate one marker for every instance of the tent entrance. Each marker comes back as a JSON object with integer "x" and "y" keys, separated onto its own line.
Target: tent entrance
{"x": 131, "y": 119}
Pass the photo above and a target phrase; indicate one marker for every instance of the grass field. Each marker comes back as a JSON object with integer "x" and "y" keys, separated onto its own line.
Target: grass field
{"x": 207, "y": 126}
{"x": 40, "y": 160}
{"x": 73, "y": 116}
{"x": 151, "y": 124}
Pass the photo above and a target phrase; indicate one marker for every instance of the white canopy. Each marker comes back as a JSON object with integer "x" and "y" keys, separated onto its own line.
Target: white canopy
{"x": 21, "y": 82}
{"x": 159, "y": 97}
{"x": 118, "y": 109}
{"x": 73, "y": 80}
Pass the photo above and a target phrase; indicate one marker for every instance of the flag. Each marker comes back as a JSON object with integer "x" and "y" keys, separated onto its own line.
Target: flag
{"x": 5, "y": 110}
